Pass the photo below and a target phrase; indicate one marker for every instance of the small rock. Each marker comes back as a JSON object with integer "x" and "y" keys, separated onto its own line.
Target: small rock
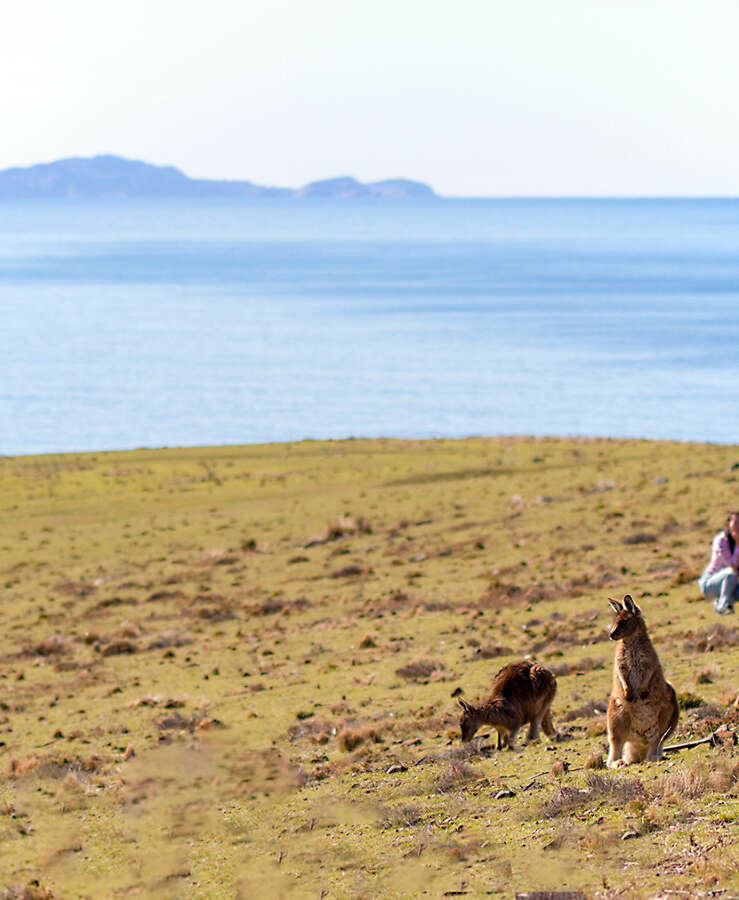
{"x": 398, "y": 767}
{"x": 457, "y": 691}
{"x": 506, "y": 792}
{"x": 629, "y": 834}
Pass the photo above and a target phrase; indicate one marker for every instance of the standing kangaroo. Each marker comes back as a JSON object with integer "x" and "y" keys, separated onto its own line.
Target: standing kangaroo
{"x": 643, "y": 710}
{"x": 521, "y": 692}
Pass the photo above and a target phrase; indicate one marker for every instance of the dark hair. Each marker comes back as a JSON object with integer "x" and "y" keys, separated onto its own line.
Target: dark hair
{"x": 729, "y": 535}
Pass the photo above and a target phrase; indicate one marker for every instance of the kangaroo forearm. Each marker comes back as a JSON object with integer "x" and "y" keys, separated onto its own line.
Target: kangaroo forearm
{"x": 636, "y": 682}
{"x": 622, "y": 681}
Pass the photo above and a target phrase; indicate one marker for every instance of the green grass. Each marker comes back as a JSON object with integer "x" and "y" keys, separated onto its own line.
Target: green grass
{"x": 212, "y": 657}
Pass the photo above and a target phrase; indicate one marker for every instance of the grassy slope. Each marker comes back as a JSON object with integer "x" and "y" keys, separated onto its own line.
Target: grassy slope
{"x": 197, "y": 704}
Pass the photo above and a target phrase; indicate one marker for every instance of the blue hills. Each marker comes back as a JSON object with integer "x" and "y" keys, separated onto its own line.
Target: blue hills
{"x": 114, "y": 177}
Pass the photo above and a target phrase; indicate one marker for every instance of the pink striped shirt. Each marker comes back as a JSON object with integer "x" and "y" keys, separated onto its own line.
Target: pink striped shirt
{"x": 721, "y": 555}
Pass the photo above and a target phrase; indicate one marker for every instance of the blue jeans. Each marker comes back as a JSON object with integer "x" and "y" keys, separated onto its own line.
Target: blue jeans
{"x": 721, "y": 587}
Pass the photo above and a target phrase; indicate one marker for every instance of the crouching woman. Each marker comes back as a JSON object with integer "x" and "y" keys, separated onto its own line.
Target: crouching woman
{"x": 720, "y": 579}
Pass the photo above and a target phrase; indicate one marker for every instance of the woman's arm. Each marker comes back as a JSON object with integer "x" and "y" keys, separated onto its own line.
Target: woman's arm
{"x": 721, "y": 555}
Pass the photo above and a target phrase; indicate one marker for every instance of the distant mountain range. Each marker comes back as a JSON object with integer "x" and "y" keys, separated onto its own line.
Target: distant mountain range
{"x": 114, "y": 177}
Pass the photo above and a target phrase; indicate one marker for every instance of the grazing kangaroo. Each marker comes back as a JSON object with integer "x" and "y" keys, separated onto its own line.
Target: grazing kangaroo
{"x": 522, "y": 692}
{"x": 643, "y": 710}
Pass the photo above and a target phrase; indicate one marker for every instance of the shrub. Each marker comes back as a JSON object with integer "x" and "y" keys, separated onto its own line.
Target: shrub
{"x": 686, "y": 700}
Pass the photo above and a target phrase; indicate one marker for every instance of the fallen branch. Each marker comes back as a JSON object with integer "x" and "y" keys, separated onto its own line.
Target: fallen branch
{"x": 721, "y": 737}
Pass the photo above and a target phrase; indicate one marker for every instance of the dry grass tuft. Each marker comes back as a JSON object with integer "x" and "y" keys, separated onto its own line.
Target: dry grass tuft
{"x": 273, "y": 605}
{"x": 170, "y": 639}
{"x": 491, "y": 651}
{"x": 74, "y": 783}
{"x": 586, "y": 664}
{"x": 711, "y": 715}
{"x": 499, "y": 594}
{"x": 345, "y": 526}
{"x": 620, "y": 790}
{"x": 717, "y": 638}
{"x": 640, "y": 537}
{"x": 455, "y": 775}
{"x": 316, "y": 730}
{"x": 352, "y": 570}
{"x": 351, "y": 737}
{"x": 164, "y": 595}
{"x": 17, "y": 767}
{"x": 119, "y": 647}
{"x": 75, "y": 588}
{"x": 54, "y": 645}
{"x": 708, "y": 675}
{"x": 422, "y": 670}
{"x": 586, "y": 711}
{"x": 198, "y": 721}
{"x": 561, "y": 669}
{"x": 596, "y": 760}
{"x": 596, "y": 726}
{"x": 404, "y": 815}
{"x": 719, "y": 775}
{"x": 684, "y": 576}
{"x": 165, "y": 702}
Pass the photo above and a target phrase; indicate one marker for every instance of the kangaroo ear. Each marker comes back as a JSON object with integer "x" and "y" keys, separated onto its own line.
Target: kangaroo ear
{"x": 464, "y": 704}
{"x": 629, "y": 604}
{"x": 614, "y": 605}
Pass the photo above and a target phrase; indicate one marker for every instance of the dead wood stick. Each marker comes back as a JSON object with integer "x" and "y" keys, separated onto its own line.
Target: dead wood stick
{"x": 532, "y": 780}
{"x": 673, "y": 747}
{"x": 713, "y": 739}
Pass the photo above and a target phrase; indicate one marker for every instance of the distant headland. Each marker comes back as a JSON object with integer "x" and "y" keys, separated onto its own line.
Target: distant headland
{"x": 113, "y": 177}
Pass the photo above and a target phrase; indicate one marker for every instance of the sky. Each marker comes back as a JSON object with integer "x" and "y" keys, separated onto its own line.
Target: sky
{"x": 475, "y": 97}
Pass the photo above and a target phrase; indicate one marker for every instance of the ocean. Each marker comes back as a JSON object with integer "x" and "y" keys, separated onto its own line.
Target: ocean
{"x": 150, "y": 324}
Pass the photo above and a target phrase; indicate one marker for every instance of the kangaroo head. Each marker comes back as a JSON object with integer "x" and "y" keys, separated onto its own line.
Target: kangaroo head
{"x": 469, "y": 721}
{"x": 628, "y": 618}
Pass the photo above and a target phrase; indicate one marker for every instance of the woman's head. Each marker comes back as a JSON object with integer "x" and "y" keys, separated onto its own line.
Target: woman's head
{"x": 732, "y": 527}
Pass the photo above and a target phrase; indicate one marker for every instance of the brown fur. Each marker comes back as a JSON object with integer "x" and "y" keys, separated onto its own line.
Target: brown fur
{"x": 643, "y": 710}
{"x": 522, "y": 692}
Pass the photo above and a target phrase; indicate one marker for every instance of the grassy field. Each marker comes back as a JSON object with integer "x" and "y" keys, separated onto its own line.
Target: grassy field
{"x": 231, "y": 672}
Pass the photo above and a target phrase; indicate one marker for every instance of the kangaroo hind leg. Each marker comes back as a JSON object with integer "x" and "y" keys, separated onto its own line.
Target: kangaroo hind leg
{"x": 546, "y": 724}
{"x": 533, "y": 734}
{"x": 616, "y": 736}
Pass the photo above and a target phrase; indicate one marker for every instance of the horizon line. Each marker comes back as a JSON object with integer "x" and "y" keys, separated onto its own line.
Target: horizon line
{"x": 437, "y": 196}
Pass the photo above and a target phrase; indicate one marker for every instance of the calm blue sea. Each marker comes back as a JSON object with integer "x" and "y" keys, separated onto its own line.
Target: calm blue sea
{"x": 154, "y": 324}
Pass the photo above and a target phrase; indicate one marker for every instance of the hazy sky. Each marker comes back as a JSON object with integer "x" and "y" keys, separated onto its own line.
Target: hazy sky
{"x": 476, "y": 97}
